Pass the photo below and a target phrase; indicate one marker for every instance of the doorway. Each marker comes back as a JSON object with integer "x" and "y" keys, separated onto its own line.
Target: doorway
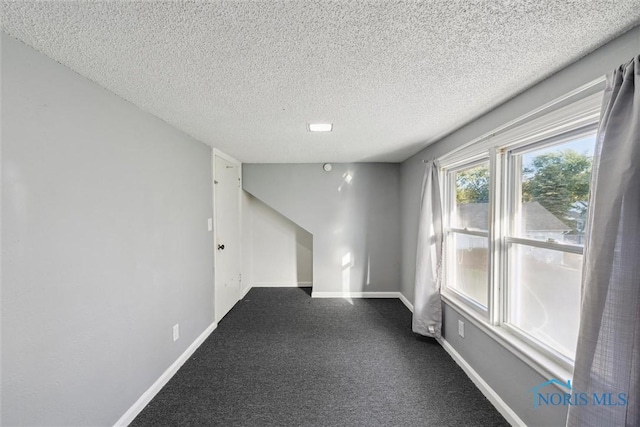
{"x": 226, "y": 196}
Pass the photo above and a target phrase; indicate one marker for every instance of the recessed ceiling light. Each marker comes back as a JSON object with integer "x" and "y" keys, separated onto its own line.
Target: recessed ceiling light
{"x": 320, "y": 127}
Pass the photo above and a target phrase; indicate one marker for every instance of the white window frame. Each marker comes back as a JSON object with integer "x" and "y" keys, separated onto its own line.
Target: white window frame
{"x": 512, "y": 187}
{"x": 570, "y": 121}
{"x": 449, "y": 232}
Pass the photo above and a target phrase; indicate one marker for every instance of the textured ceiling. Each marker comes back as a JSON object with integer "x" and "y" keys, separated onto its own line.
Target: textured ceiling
{"x": 247, "y": 76}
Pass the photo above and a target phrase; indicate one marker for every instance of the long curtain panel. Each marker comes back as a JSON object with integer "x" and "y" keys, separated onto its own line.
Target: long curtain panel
{"x": 608, "y": 351}
{"x": 427, "y": 310}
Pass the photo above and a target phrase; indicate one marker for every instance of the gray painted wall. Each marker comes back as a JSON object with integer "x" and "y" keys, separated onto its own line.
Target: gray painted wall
{"x": 502, "y": 371}
{"x": 279, "y": 251}
{"x": 104, "y": 245}
{"x": 359, "y": 216}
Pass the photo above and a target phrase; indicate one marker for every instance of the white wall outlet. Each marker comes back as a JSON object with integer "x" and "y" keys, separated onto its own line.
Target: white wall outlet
{"x": 210, "y": 224}
{"x": 461, "y": 328}
{"x": 176, "y": 332}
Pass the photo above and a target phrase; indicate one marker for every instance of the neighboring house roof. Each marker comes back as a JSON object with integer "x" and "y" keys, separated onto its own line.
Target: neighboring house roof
{"x": 537, "y": 218}
{"x": 534, "y": 215}
{"x": 578, "y": 210}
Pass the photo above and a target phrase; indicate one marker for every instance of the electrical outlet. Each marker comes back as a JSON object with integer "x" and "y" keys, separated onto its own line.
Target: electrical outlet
{"x": 176, "y": 332}
{"x": 210, "y": 224}
{"x": 461, "y": 328}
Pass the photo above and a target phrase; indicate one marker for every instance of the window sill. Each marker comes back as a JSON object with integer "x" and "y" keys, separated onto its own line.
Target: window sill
{"x": 529, "y": 355}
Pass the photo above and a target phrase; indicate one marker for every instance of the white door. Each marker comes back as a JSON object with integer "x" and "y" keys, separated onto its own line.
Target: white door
{"x": 227, "y": 235}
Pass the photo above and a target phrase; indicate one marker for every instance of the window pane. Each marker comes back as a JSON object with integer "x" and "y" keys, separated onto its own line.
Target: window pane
{"x": 469, "y": 265}
{"x": 554, "y": 192}
{"x": 544, "y": 296}
{"x": 472, "y": 198}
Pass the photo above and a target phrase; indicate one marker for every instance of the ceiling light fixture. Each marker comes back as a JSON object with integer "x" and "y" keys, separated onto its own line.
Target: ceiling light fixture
{"x": 320, "y": 127}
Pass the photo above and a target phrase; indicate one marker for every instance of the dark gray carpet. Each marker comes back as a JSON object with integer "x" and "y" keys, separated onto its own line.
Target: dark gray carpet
{"x": 281, "y": 358}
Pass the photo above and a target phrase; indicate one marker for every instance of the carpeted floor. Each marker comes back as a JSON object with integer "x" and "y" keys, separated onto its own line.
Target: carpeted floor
{"x": 281, "y": 358}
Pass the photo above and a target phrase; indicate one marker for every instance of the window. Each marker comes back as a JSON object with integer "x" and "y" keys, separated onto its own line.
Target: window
{"x": 515, "y": 211}
{"x": 549, "y": 192}
{"x": 467, "y": 236}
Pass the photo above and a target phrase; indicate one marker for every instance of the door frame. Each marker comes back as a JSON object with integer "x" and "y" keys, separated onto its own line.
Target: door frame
{"x": 217, "y": 153}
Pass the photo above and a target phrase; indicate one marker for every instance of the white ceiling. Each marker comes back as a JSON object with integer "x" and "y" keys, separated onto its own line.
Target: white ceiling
{"x": 247, "y": 76}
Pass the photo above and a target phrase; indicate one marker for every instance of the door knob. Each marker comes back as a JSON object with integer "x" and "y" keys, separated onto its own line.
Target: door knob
{"x": 220, "y": 247}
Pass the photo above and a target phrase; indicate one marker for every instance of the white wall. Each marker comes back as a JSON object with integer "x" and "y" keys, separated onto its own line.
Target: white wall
{"x": 500, "y": 369}
{"x": 246, "y": 262}
{"x": 353, "y": 213}
{"x": 280, "y": 251}
{"x": 104, "y": 245}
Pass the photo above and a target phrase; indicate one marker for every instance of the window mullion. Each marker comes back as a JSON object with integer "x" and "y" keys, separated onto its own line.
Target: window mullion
{"x": 495, "y": 236}
{"x": 511, "y": 210}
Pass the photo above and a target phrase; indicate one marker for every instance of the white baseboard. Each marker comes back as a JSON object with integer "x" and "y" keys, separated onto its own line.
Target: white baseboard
{"x": 398, "y": 295}
{"x": 504, "y": 409}
{"x": 283, "y": 285}
{"x": 355, "y": 294}
{"x": 146, "y": 397}
{"x": 406, "y": 302}
{"x": 245, "y": 292}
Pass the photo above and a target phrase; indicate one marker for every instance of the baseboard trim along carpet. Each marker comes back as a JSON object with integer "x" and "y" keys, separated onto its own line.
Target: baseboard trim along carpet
{"x": 146, "y": 397}
{"x": 283, "y": 285}
{"x": 493, "y": 397}
{"x": 355, "y": 294}
{"x": 245, "y": 292}
{"x": 398, "y": 295}
{"x": 406, "y": 302}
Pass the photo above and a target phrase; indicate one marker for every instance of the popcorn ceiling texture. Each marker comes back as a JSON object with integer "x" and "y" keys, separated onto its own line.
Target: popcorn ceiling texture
{"x": 247, "y": 76}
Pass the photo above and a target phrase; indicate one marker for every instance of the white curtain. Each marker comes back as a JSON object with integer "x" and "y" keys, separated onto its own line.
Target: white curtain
{"x": 608, "y": 352}
{"x": 427, "y": 310}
